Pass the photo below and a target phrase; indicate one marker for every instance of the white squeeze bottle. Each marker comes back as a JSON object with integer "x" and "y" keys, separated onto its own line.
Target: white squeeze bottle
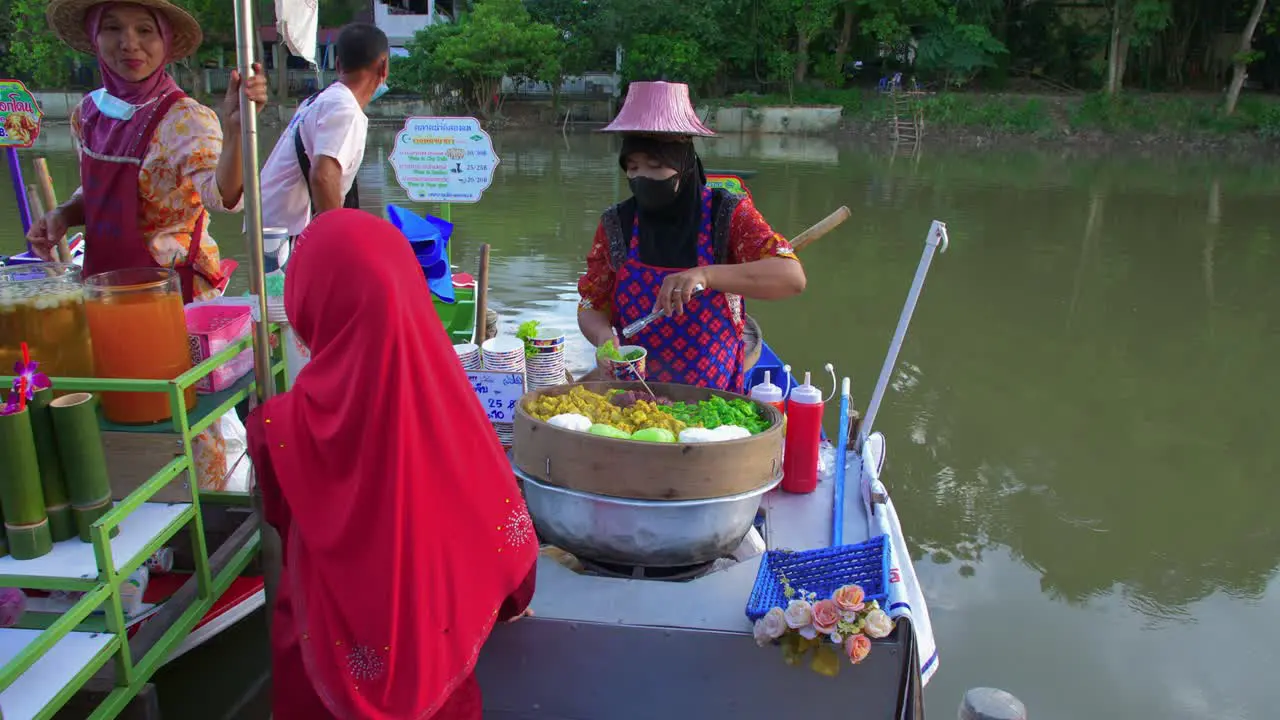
{"x": 770, "y": 394}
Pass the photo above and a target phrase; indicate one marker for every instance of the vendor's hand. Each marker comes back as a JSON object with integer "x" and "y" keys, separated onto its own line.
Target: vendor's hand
{"x": 677, "y": 290}
{"x": 255, "y": 87}
{"x": 44, "y": 234}
{"x": 612, "y": 339}
{"x": 528, "y": 612}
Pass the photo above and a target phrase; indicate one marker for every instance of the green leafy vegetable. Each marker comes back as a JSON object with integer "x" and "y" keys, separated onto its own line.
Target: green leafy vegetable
{"x": 527, "y": 331}
{"x": 717, "y": 411}
{"x": 609, "y": 351}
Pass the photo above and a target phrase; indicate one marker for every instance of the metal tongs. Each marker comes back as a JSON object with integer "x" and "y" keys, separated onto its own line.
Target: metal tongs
{"x": 643, "y": 322}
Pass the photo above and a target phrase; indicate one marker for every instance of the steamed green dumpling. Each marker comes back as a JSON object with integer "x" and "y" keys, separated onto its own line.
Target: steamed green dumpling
{"x": 654, "y": 434}
{"x": 609, "y": 431}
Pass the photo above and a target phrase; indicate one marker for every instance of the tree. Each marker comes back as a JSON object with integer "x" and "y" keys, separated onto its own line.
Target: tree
{"x": 472, "y": 56}
{"x": 1244, "y": 57}
{"x": 34, "y": 52}
{"x": 1134, "y": 23}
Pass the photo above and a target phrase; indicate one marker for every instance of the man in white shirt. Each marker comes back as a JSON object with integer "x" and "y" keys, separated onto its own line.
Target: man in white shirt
{"x": 313, "y": 166}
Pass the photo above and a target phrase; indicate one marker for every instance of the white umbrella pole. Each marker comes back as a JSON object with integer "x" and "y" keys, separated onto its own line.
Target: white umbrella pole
{"x": 246, "y": 37}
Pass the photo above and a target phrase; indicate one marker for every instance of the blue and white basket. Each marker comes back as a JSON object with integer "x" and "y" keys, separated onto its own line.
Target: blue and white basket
{"x": 822, "y": 572}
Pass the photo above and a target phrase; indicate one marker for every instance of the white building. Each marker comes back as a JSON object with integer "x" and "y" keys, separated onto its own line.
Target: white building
{"x": 400, "y": 19}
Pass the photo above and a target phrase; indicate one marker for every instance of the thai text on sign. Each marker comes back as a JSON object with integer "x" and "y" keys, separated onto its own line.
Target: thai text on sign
{"x": 443, "y": 159}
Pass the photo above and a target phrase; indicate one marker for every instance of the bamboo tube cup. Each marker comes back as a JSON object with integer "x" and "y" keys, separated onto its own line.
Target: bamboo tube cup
{"x": 84, "y": 464}
{"x": 57, "y": 504}
{"x": 25, "y": 525}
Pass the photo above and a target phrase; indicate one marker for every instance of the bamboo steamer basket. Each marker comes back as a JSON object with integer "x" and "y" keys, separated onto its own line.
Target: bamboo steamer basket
{"x": 645, "y": 470}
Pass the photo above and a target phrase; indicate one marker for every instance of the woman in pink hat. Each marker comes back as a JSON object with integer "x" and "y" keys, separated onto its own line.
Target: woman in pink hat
{"x": 674, "y": 234}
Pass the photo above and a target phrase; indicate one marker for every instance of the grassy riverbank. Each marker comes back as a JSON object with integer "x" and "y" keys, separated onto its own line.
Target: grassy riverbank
{"x": 1184, "y": 119}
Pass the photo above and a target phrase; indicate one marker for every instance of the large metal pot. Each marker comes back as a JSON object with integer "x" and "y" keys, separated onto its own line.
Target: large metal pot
{"x": 652, "y": 533}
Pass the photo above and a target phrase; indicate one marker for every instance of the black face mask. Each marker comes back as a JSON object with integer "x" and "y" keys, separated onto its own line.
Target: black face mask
{"x": 654, "y": 194}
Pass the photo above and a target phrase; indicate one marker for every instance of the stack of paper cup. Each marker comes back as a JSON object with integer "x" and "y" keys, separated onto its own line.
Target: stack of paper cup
{"x": 545, "y": 365}
{"x": 469, "y": 356}
{"x": 503, "y": 354}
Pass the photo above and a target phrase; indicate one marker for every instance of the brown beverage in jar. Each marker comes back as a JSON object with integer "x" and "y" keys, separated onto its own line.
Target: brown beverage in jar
{"x": 43, "y": 305}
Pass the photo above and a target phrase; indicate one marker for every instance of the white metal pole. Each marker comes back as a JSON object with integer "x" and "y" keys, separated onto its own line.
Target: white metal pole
{"x": 937, "y": 237}
{"x": 246, "y": 40}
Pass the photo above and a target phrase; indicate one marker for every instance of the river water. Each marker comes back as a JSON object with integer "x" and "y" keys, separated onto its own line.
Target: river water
{"x": 1078, "y": 425}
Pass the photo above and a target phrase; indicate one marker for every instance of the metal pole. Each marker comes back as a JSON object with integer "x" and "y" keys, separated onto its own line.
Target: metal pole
{"x": 245, "y": 39}
{"x": 246, "y": 53}
{"x": 936, "y": 240}
{"x": 20, "y": 189}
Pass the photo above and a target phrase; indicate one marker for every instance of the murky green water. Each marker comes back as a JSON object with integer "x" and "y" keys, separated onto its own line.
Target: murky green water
{"x": 1082, "y": 424}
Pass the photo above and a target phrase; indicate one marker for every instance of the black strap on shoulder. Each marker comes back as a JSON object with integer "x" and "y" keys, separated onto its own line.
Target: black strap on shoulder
{"x": 612, "y": 221}
{"x": 304, "y": 163}
{"x": 723, "y": 205}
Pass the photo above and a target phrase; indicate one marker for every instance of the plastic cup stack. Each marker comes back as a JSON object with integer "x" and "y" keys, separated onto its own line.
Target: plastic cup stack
{"x": 469, "y": 356}
{"x": 545, "y": 365}
{"x": 503, "y": 354}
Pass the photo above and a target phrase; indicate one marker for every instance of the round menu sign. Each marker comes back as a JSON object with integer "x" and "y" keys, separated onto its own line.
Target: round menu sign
{"x": 444, "y": 159}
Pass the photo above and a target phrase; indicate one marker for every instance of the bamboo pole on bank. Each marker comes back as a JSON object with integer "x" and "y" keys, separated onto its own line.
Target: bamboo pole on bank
{"x": 57, "y": 504}
{"x": 25, "y": 524}
{"x": 84, "y": 464}
{"x": 246, "y": 39}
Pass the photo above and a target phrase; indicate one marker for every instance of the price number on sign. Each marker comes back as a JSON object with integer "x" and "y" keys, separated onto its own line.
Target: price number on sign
{"x": 498, "y": 393}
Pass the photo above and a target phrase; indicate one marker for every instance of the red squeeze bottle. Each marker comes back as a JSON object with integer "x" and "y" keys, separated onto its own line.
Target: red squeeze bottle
{"x": 804, "y": 433}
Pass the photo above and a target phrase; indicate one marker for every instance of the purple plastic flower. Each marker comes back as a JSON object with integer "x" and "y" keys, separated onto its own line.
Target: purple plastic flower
{"x": 13, "y": 602}
{"x": 35, "y": 380}
{"x": 11, "y": 406}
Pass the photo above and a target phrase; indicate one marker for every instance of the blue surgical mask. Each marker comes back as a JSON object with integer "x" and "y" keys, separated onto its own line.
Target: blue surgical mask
{"x": 382, "y": 90}
{"x": 112, "y": 106}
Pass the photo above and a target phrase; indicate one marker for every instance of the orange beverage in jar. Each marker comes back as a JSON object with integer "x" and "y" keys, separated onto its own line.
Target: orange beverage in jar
{"x": 139, "y": 331}
{"x": 42, "y": 304}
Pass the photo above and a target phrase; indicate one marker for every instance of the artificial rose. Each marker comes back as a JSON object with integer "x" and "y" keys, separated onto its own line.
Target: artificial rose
{"x": 825, "y": 616}
{"x": 878, "y": 624}
{"x": 770, "y": 627}
{"x": 857, "y": 648}
{"x": 848, "y": 600}
{"x": 799, "y": 614}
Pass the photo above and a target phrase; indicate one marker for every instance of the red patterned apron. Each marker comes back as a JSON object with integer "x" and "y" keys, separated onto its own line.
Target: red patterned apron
{"x": 702, "y": 347}
{"x": 113, "y": 240}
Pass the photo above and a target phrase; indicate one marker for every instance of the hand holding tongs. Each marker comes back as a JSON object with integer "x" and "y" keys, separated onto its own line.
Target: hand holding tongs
{"x": 643, "y": 322}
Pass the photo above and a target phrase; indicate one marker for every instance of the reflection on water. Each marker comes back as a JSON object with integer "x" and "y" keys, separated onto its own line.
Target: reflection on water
{"x": 1081, "y": 422}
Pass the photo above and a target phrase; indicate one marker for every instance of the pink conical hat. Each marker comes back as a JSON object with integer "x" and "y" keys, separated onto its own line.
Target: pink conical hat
{"x": 658, "y": 108}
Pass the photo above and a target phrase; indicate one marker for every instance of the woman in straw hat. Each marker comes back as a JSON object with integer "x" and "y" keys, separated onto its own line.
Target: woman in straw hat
{"x": 151, "y": 159}
{"x": 675, "y": 234}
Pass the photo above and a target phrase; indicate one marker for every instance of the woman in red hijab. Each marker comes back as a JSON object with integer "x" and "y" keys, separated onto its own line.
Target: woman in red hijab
{"x": 405, "y": 537}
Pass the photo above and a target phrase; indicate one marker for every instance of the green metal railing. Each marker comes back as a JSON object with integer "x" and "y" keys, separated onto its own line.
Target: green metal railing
{"x": 103, "y": 590}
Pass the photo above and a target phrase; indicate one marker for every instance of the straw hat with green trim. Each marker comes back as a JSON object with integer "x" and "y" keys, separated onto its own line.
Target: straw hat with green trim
{"x": 67, "y": 18}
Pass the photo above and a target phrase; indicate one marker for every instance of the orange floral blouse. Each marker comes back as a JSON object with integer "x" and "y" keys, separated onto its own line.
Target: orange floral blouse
{"x": 177, "y": 182}
{"x": 750, "y": 239}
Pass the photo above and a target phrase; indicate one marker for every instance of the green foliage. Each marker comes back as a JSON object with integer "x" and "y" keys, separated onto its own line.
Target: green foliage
{"x": 664, "y": 57}
{"x": 468, "y": 59}
{"x": 34, "y": 54}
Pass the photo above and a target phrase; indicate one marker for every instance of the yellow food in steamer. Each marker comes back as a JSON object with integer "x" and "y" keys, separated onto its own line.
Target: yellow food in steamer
{"x": 643, "y": 414}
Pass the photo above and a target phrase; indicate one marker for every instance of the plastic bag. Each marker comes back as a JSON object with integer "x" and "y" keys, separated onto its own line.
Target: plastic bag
{"x": 237, "y": 459}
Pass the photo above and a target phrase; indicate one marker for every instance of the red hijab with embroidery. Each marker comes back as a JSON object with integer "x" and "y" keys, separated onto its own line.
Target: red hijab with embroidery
{"x": 408, "y": 530}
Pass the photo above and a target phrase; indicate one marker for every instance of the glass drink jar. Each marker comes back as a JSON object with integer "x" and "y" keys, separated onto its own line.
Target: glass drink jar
{"x": 139, "y": 331}
{"x": 43, "y": 305}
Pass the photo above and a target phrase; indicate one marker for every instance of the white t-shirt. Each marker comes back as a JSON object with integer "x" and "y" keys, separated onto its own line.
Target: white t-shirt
{"x": 334, "y": 125}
